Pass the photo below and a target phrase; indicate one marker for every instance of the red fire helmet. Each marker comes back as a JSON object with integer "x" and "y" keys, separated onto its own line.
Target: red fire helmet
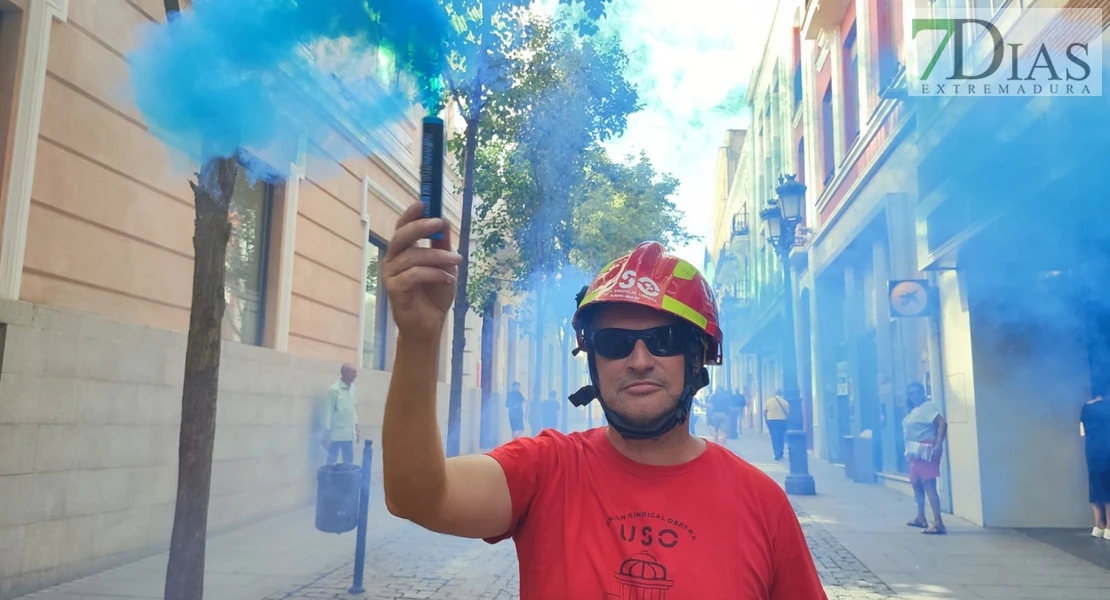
{"x": 650, "y": 277}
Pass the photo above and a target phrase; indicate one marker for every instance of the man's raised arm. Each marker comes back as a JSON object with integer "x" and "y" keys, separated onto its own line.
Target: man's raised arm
{"x": 465, "y": 496}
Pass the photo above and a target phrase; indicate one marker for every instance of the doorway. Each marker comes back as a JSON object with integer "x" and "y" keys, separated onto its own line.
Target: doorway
{"x": 867, "y": 392}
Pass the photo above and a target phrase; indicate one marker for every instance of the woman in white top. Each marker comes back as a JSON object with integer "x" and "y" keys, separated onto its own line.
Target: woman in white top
{"x": 924, "y": 429}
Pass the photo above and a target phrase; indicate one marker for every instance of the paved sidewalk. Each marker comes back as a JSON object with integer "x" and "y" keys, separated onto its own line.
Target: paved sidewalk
{"x": 967, "y": 564}
{"x": 856, "y": 532}
{"x": 262, "y": 559}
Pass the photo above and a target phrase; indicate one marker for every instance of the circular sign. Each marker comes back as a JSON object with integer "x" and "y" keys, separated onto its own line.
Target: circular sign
{"x": 909, "y": 298}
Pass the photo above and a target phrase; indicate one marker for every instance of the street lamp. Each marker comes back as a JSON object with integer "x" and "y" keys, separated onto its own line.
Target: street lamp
{"x": 792, "y": 198}
{"x": 781, "y": 218}
{"x": 772, "y": 221}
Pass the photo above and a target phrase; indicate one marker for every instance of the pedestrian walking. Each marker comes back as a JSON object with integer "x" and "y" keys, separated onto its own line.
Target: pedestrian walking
{"x": 924, "y": 430}
{"x": 550, "y": 409}
{"x": 341, "y": 417}
{"x": 616, "y": 510}
{"x": 697, "y": 405}
{"x": 775, "y": 412}
{"x": 719, "y": 405}
{"x": 1094, "y": 426}
{"x": 735, "y": 412}
{"x": 514, "y": 403}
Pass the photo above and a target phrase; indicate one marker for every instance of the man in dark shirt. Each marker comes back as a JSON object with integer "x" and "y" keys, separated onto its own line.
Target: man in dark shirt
{"x": 718, "y": 405}
{"x": 550, "y": 410}
{"x": 736, "y": 410}
{"x": 514, "y": 402}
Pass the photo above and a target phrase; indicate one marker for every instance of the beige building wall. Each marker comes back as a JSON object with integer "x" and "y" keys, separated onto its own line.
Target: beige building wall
{"x": 89, "y": 418}
{"x": 92, "y": 353}
{"x": 110, "y": 226}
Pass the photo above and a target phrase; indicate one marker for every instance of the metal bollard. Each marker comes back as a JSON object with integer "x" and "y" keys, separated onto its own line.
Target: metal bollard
{"x": 363, "y": 510}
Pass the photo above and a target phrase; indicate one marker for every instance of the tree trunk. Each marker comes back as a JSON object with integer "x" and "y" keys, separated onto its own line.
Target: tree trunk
{"x": 536, "y": 414}
{"x": 458, "y": 333}
{"x": 488, "y": 432}
{"x": 185, "y": 572}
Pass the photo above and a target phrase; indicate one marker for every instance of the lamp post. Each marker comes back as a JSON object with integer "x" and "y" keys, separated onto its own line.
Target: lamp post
{"x": 781, "y": 218}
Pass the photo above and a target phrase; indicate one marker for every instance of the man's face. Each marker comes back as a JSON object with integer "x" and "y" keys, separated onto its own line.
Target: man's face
{"x": 348, "y": 374}
{"x": 640, "y": 387}
{"x": 915, "y": 394}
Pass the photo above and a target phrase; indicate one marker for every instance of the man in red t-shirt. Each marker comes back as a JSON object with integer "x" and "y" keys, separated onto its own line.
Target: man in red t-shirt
{"x": 639, "y": 508}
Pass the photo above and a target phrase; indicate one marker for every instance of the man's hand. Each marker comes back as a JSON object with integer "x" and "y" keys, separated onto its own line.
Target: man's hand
{"x": 420, "y": 281}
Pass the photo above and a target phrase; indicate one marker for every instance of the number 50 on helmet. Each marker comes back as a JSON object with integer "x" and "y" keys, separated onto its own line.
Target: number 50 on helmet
{"x": 650, "y": 277}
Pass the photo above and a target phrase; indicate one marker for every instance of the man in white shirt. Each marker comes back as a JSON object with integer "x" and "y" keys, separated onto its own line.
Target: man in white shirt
{"x": 775, "y": 413}
{"x": 341, "y": 416}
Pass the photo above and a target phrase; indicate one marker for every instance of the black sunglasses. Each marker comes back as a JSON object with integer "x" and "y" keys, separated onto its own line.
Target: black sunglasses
{"x": 668, "y": 340}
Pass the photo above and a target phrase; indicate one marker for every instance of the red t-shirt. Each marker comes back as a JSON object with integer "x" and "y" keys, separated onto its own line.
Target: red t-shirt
{"x": 590, "y": 523}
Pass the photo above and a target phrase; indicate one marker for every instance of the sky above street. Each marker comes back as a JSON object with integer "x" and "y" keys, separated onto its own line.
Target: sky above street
{"x": 691, "y": 60}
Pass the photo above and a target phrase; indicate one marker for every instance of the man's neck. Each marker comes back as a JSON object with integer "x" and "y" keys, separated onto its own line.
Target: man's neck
{"x": 675, "y": 447}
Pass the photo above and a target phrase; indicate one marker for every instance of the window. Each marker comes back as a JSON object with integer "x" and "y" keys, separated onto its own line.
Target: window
{"x": 778, "y": 124}
{"x": 375, "y": 310}
{"x": 9, "y": 53}
{"x": 800, "y": 166}
{"x": 247, "y": 249}
{"x": 797, "y": 86}
{"x": 828, "y": 159}
{"x": 797, "y": 68}
{"x": 851, "y": 89}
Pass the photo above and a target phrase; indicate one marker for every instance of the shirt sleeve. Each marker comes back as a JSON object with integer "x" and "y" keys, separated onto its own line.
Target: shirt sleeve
{"x": 929, "y": 412}
{"x": 795, "y": 576}
{"x": 354, "y": 403}
{"x": 527, "y": 463}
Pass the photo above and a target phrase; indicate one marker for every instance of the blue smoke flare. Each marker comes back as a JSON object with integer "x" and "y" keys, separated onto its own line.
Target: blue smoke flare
{"x": 268, "y": 75}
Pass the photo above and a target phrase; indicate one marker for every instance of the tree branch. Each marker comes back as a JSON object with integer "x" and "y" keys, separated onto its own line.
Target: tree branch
{"x": 455, "y": 93}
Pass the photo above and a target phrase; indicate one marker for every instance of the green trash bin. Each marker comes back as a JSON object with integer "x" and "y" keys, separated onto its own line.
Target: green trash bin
{"x": 337, "y": 490}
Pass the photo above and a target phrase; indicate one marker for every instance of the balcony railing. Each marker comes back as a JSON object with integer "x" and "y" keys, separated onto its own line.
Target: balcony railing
{"x": 740, "y": 224}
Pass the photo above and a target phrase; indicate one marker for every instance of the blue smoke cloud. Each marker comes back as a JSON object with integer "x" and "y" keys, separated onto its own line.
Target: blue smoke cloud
{"x": 263, "y": 75}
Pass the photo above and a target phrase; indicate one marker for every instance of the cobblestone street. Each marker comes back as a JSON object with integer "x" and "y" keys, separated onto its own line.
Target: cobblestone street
{"x": 416, "y": 563}
{"x": 412, "y": 563}
{"x": 844, "y": 576}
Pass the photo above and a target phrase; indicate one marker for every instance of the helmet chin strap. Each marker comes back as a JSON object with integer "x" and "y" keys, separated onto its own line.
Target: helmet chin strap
{"x": 694, "y": 381}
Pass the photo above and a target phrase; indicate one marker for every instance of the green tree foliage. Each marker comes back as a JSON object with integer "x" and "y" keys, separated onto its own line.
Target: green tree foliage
{"x": 621, "y": 204}
{"x": 484, "y": 61}
{"x": 555, "y": 207}
{"x": 537, "y": 140}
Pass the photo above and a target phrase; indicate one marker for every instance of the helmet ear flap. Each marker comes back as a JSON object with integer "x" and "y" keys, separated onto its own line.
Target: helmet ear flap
{"x": 580, "y": 295}
{"x": 580, "y": 338}
{"x": 701, "y": 379}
